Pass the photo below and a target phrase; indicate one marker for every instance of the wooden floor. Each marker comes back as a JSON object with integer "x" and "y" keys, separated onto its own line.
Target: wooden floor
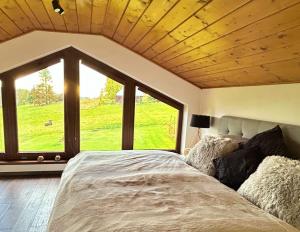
{"x": 25, "y": 203}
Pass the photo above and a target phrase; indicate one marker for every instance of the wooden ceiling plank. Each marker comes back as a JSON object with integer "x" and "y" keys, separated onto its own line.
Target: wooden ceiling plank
{"x": 272, "y": 25}
{"x": 4, "y": 35}
{"x": 28, "y": 12}
{"x": 286, "y": 71}
{"x": 84, "y": 14}
{"x": 156, "y": 10}
{"x": 257, "y": 75}
{"x": 98, "y": 14}
{"x": 15, "y": 13}
{"x": 252, "y": 77}
{"x": 114, "y": 13}
{"x": 214, "y": 83}
{"x": 179, "y": 14}
{"x": 8, "y": 25}
{"x": 41, "y": 14}
{"x": 210, "y": 13}
{"x": 235, "y": 74}
{"x": 70, "y": 15}
{"x": 246, "y": 15}
{"x": 56, "y": 19}
{"x": 281, "y": 39}
{"x": 249, "y": 76}
{"x": 131, "y": 16}
{"x": 275, "y": 55}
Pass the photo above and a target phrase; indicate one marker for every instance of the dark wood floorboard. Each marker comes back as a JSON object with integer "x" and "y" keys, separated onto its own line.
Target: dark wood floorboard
{"x": 25, "y": 203}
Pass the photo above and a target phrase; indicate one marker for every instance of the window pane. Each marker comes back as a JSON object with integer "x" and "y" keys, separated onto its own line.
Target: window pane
{"x": 40, "y": 110}
{"x": 1, "y": 123}
{"x": 155, "y": 123}
{"x": 101, "y": 111}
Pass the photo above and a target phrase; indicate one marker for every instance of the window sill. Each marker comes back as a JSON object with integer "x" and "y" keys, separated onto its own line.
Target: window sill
{"x": 25, "y": 162}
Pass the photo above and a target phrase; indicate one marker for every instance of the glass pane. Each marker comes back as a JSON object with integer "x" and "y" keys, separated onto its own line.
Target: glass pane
{"x": 1, "y": 123}
{"x": 40, "y": 110}
{"x": 101, "y": 111}
{"x": 155, "y": 125}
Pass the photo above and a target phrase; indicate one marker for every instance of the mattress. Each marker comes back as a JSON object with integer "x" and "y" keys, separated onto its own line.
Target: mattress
{"x": 150, "y": 191}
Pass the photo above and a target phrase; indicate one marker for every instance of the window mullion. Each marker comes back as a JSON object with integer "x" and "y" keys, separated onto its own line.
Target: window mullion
{"x": 10, "y": 118}
{"x": 71, "y": 99}
{"x": 128, "y": 116}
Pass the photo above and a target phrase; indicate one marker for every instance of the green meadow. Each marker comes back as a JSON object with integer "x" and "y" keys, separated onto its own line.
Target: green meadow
{"x": 41, "y": 128}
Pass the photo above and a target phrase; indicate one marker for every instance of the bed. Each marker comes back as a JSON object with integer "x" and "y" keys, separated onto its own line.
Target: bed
{"x": 153, "y": 191}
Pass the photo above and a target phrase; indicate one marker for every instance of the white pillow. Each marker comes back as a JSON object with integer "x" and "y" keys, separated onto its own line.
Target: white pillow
{"x": 208, "y": 148}
{"x": 275, "y": 187}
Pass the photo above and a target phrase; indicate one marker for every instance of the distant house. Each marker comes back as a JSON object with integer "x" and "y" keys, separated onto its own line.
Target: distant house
{"x": 138, "y": 96}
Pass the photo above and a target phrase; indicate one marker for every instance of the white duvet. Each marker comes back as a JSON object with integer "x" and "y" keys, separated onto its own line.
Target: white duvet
{"x": 150, "y": 191}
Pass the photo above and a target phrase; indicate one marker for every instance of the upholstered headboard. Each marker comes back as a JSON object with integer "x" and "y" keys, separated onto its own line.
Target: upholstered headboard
{"x": 247, "y": 128}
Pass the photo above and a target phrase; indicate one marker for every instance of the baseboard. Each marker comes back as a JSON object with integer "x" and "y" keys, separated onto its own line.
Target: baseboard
{"x": 31, "y": 169}
{"x": 31, "y": 173}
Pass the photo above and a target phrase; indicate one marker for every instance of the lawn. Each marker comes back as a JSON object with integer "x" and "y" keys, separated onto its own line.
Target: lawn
{"x": 100, "y": 126}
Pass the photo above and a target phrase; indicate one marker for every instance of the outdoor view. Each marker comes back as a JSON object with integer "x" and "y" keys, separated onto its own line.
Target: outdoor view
{"x": 101, "y": 111}
{"x": 40, "y": 110}
{"x": 40, "y": 113}
{"x": 155, "y": 123}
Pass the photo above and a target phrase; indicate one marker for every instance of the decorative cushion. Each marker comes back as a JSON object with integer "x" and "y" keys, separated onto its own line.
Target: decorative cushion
{"x": 270, "y": 142}
{"x": 233, "y": 169}
{"x": 207, "y": 149}
{"x": 275, "y": 187}
{"x": 235, "y": 138}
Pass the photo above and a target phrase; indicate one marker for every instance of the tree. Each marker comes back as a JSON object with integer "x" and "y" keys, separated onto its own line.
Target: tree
{"x": 23, "y": 96}
{"x": 109, "y": 93}
{"x": 42, "y": 93}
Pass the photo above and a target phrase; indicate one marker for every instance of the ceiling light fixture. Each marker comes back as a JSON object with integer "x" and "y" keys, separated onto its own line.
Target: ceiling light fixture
{"x": 57, "y": 7}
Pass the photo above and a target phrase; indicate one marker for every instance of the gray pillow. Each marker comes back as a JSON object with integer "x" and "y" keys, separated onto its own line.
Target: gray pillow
{"x": 275, "y": 187}
{"x": 208, "y": 148}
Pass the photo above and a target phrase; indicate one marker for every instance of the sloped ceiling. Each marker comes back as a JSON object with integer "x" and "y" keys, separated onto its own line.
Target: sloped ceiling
{"x": 217, "y": 43}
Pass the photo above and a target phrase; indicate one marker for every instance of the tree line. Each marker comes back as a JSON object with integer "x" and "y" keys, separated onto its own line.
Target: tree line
{"x": 41, "y": 94}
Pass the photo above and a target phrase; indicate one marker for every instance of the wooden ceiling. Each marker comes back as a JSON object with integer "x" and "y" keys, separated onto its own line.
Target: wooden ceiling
{"x": 217, "y": 43}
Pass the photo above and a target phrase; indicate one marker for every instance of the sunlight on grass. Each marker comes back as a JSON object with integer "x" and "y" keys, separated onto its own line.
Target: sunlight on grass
{"x": 33, "y": 132}
{"x": 155, "y": 126}
{"x": 100, "y": 127}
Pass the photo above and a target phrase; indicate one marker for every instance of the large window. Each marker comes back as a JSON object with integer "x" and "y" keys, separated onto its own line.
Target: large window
{"x": 68, "y": 102}
{"x": 40, "y": 110}
{"x": 101, "y": 111}
{"x": 155, "y": 123}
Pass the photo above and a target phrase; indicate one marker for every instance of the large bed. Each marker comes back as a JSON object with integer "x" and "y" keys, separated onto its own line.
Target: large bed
{"x": 150, "y": 191}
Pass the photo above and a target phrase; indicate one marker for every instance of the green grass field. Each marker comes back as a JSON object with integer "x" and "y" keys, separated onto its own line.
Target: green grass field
{"x": 100, "y": 126}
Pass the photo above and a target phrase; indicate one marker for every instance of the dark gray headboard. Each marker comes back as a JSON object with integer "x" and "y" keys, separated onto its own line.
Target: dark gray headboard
{"x": 247, "y": 128}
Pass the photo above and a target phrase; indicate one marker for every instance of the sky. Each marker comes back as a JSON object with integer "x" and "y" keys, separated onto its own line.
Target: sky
{"x": 91, "y": 81}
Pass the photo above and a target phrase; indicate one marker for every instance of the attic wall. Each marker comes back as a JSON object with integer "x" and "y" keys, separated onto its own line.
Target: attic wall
{"x": 38, "y": 44}
{"x": 276, "y": 103}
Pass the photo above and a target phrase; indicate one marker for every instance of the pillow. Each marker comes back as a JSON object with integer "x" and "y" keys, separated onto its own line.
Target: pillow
{"x": 236, "y": 139}
{"x": 207, "y": 149}
{"x": 275, "y": 187}
{"x": 270, "y": 142}
{"x": 233, "y": 169}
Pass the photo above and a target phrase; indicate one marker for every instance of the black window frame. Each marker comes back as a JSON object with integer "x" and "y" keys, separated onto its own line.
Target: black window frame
{"x": 72, "y": 58}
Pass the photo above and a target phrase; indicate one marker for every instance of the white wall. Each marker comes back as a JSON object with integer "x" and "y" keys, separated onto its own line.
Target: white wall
{"x": 277, "y": 103}
{"x": 38, "y": 44}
